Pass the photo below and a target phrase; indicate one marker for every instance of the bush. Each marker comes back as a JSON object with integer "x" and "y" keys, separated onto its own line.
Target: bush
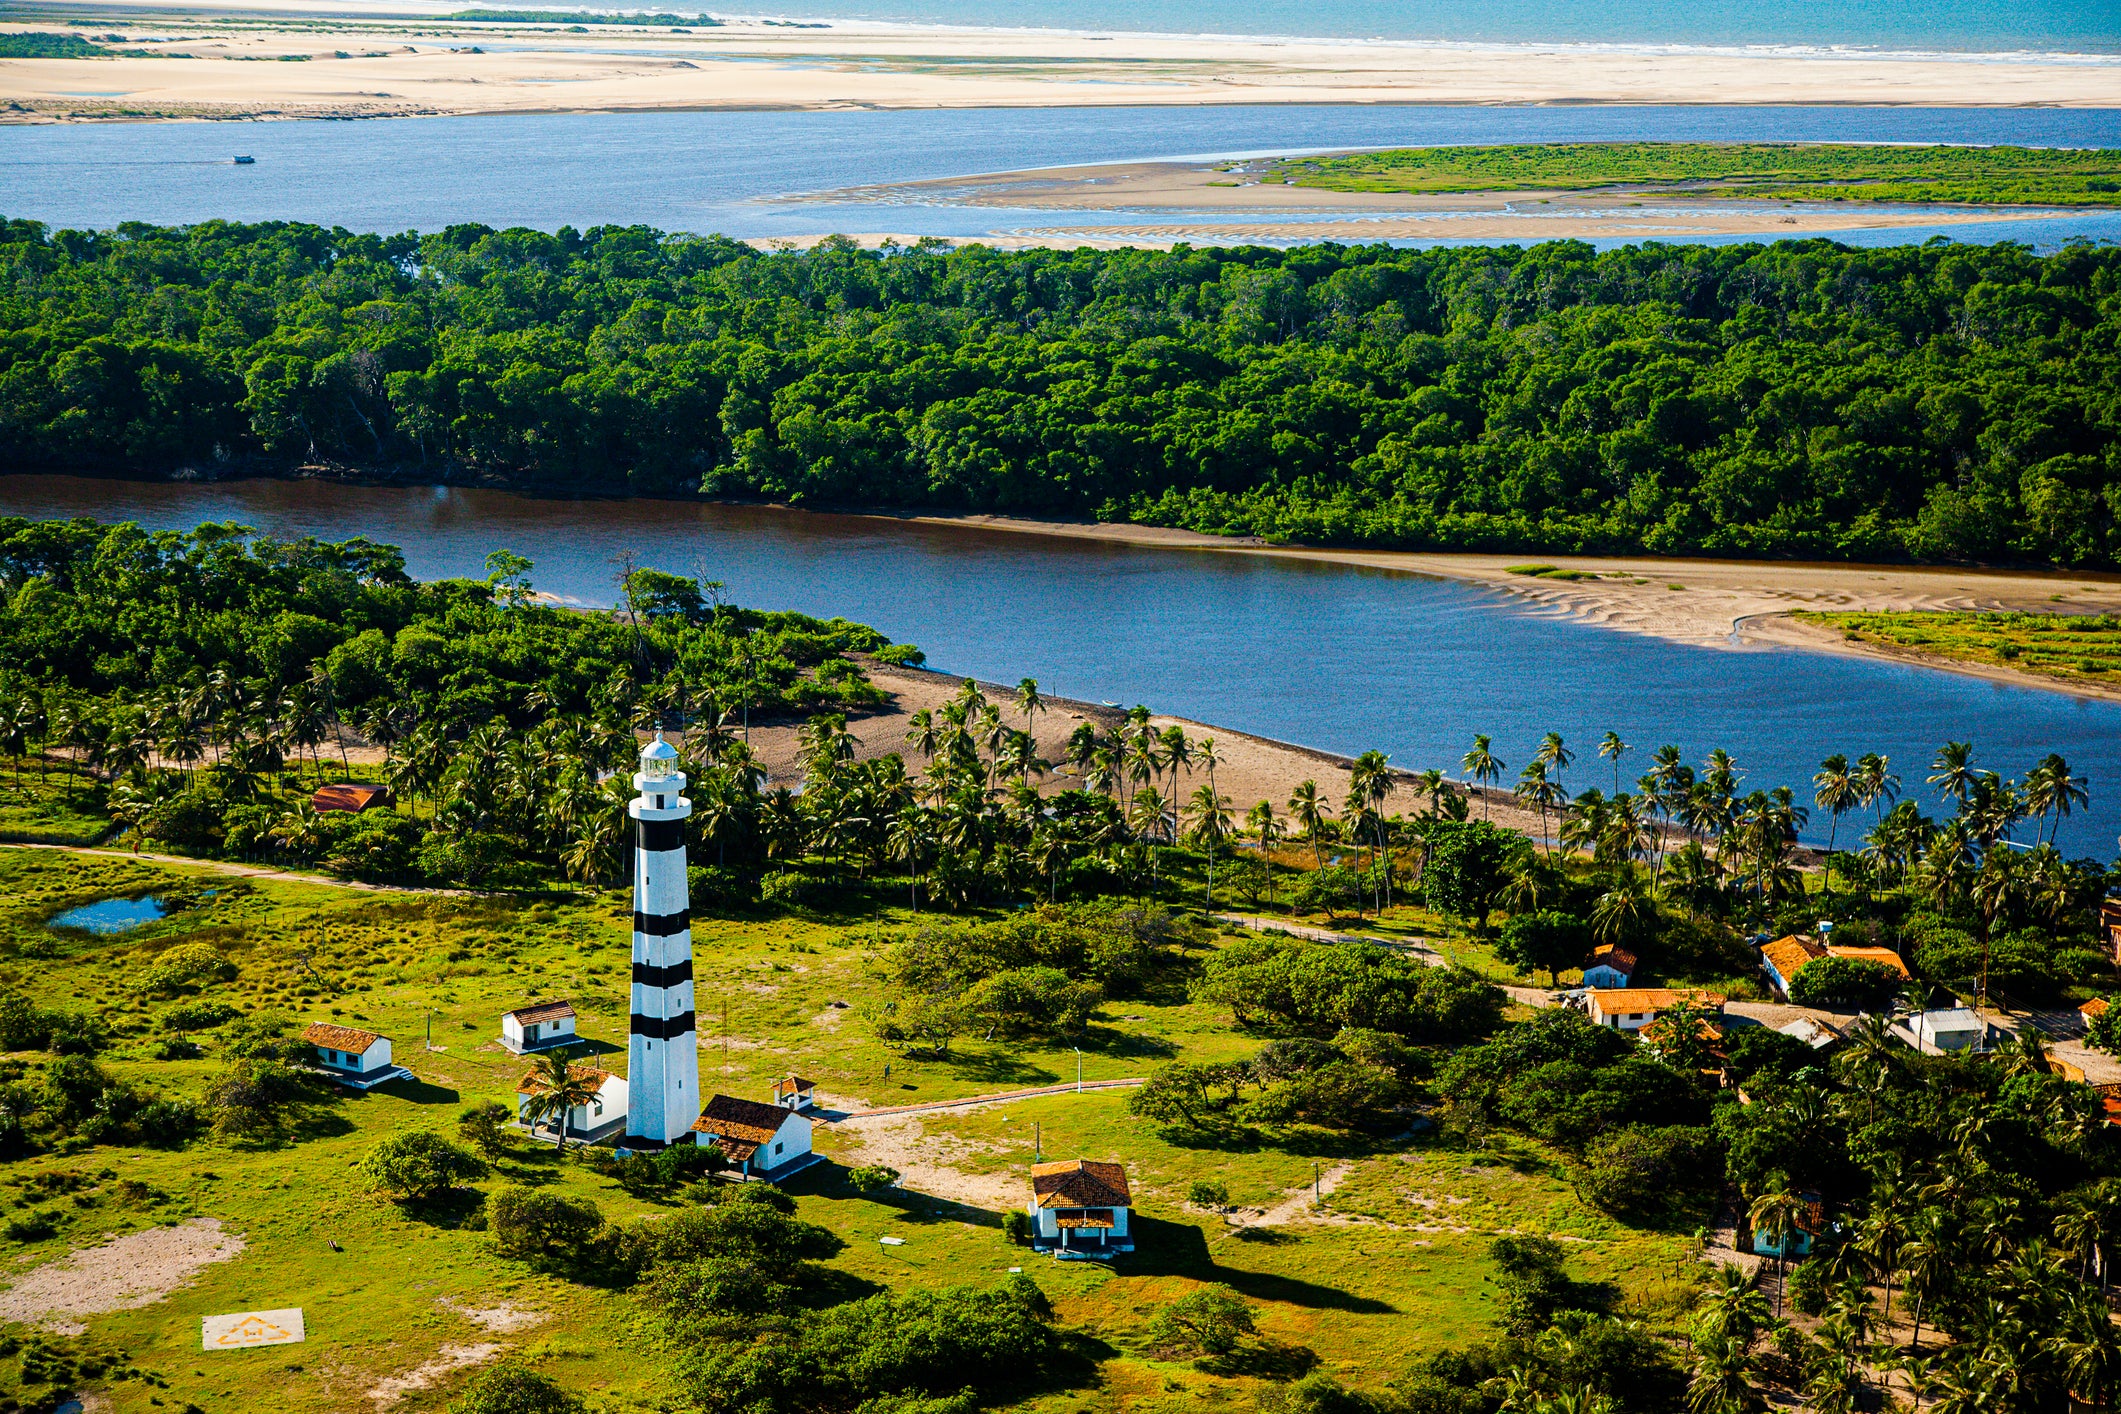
{"x": 1208, "y": 1193}
{"x": 1547, "y": 941}
{"x": 185, "y": 965}
{"x": 511, "y": 1389}
{"x": 1468, "y": 865}
{"x": 419, "y": 1166}
{"x": 1209, "y": 1320}
{"x": 168, "y": 1124}
{"x": 541, "y": 1226}
{"x": 1845, "y": 984}
{"x": 870, "y": 1177}
{"x": 253, "y": 1096}
{"x": 198, "y": 1014}
{"x": 1016, "y": 1226}
{"x": 1642, "y": 1174}
{"x": 484, "y": 1126}
{"x": 785, "y": 887}
{"x": 1810, "y": 1287}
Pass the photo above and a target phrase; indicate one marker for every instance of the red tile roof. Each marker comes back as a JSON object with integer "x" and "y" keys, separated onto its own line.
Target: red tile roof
{"x": 732, "y": 1118}
{"x": 534, "y": 1082}
{"x": 339, "y": 1038}
{"x": 347, "y": 796}
{"x": 1080, "y": 1183}
{"x": 542, "y": 1011}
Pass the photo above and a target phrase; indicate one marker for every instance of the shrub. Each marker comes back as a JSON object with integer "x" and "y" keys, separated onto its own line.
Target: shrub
{"x": 31, "y": 1227}
{"x": 1845, "y": 984}
{"x": 168, "y": 1124}
{"x": 871, "y": 1177}
{"x": 484, "y": 1126}
{"x": 541, "y": 1226}
{"x": 199, "y": 1014}
{"x": 185, "y": 965}
{"x": 1209, "y": 1320}
{"x": 1016, "y": 1227}
{"x": 511, "y": 1389}
{"x": 253, "y": 1096}
{"x": 784, "y": 886}
{"x": 1208, "y": 1193}
{"x": 1642, "y": 1173}
{"x": 1547, "y": 941}
{"x": 2104, "y": 1031}
{"x": 419, "y": 1166}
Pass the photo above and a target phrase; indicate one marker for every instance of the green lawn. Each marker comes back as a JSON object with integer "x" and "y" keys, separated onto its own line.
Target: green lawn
{"x": 1366, "y": 1290}
{"x": 1788, "y": 171}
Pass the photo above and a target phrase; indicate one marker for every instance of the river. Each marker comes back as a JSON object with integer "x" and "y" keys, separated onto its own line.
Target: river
{"x": 736, "y": 172}
{"x": 1336, "y": 657}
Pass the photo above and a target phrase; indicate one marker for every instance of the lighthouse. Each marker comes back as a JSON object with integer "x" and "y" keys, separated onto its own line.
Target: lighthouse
{"x": 663, "y": 1053}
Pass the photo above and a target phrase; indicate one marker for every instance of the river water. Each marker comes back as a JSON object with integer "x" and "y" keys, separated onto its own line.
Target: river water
{"x": 1336, "y": 657}
{"x": 752, "y": 175}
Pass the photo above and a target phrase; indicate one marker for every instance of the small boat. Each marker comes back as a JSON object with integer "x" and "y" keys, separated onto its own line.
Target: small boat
{"x": 246, "y": 161}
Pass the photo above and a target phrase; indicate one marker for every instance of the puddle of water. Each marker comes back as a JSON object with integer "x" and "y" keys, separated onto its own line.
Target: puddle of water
{"x": 111, "y": 915}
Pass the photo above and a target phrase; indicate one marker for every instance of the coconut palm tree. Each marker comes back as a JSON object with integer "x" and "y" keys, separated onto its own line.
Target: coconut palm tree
{"x": 1029, "y": 703}
{"x": 1210, "y": 816}
{"x": 1776, "y": 1214}
{"x": 1612, "y": 748}
{"x": 1536, "y": 791}
{"x": 1554, "y": 754}
{"x": 1953, "y": 770}
{"x": 1834, "y": 791}
{"x": 1876, "y": 785}
{"x": 1926, "y": 1261}
{"x": 1310, "y": 813}
{"x": 1260, "y": 821}
{"x": 1483, "y": 765}
{"x": 2052, "y": 790}
{"x": 558, "y": 1089}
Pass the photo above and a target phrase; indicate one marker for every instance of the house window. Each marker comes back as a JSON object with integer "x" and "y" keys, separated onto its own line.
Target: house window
{"x": 776, "y": 1148}
{"x": 599, "y": 1106}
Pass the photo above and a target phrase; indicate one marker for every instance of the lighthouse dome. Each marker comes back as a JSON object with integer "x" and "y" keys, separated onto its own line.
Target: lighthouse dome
{"x": 658, "y": 758}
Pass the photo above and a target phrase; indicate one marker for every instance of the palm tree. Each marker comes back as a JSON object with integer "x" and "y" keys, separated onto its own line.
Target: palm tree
{"x": 2088, "y": 1347}
{"x": 1484, "y": 766}
{"x": 1612, "y": 748}
{"x": 1876, "y": 785}
{"x": 558, "y": 1089}
{"x": 2052, "y": 790}
{"x": 1310, "y": 814}
{"x": 1776, "y": 1213}
{"x": 1371, "y": 780}
{"x": 1210, "y": 815}
{"x": 1834, "y": 791}
{"x": 1534, "y": 789}
{"x": 1029, "y": 702}
{"x": 1954, "y": 768}
{"x": 1268, "y": 831}
{"x": 922, "y": 734}
{"x": 1553, "y": 754}
{"x": 1926, "y": 1261}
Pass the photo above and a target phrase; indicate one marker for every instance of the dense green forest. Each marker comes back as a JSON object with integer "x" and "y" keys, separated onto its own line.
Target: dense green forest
{"x": 1941, "y": 402}
{"x": 1785, "y": 170}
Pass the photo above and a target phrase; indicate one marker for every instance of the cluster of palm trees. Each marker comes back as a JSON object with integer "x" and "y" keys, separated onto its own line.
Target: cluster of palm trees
{"x": 1954, "y": 1228}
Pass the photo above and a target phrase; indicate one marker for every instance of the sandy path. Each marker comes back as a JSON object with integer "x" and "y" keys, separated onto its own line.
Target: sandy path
{"x": 122, "y": 1274}
{"x": 448, "y": 1361}
{"x": 924, "y": 1161}
{"x": 976, "y": 1101}
{"x": 370, "y": 60}
{"x": 245, "y": 871}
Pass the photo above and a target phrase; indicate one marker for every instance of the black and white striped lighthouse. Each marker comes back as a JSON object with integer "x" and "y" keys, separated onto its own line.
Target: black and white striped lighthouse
{"x": 663, "y": 1057}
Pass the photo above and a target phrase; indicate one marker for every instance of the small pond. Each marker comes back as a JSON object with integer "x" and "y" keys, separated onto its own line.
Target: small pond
{"x": 111, "y": 915}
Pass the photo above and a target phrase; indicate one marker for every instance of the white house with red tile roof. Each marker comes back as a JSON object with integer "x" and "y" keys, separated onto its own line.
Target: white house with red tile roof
{"x": 602, "y": 1117}
{"x": 1079, "y": 1208}
{"x": 538, "y": 1027}
{"x": 759, "y": 1140}
{"x": 352, "y": 1056}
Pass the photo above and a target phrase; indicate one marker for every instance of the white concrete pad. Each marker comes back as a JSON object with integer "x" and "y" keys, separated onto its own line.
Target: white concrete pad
{"x": 243, "y": 1329}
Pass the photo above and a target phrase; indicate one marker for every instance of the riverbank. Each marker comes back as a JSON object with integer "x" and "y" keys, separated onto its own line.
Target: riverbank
{"x": 1705, "y": 603}
{"x": 169, "y": 61}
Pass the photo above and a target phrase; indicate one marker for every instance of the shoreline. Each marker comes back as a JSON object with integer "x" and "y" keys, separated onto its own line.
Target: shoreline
{"x": 1732, "y": 605}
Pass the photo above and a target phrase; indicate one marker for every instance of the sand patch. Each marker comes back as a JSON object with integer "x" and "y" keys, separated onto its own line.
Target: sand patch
{"x": 503, "y": 1319}
{"x": 451, "y": 1359}
{"x": 123, "y": 1274}
{"x": 924, "y": 1161}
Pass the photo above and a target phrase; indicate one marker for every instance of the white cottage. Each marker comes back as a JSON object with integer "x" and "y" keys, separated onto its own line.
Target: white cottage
{"x": 1632, "y": 1008}
{"x": 352, "y": 1056}
{"x": 792, "y": 1092}
{"x": 1079, "y": 1208}
{"x": 539, "y": 1027}
{"x": 761, "y": 1141}
{"x": 1951, "y": 1029}
{"x": 602, "y": 1117}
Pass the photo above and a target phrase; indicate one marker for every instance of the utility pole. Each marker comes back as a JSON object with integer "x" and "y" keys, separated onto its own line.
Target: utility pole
{"x": 1038, "y": 1148}
{"x": 1317, "y": 1197}
{"x": 1078, "y": 1070}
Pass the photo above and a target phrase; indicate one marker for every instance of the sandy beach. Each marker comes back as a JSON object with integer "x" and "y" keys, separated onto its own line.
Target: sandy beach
{"x": 369, "y": 60}
{"x": 1227, "y": 203}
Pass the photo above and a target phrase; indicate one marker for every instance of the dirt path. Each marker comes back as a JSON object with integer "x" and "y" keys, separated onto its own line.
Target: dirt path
{"x": 971, "y": 1101}
{"x": 1303, "y": 1203}
{"x": 1529, "y": 996}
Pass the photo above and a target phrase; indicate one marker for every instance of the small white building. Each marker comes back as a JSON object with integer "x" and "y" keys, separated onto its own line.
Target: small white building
{"x": 761, "y": 1141}
{"x": 1079, "y": 1208}
{"x": 792, "y": 1092}
{"x": 352, "y": 1056}
{"x": 1609, "y": 967}
{"x": 1632, "y": 1008}
{"x": 603, "y": 1116}
{"x": 1952, "y": 1029}
{"x": 539, "y": 1027}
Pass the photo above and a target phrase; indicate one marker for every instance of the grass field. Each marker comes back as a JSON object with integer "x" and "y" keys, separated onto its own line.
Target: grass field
{"x": 2077, "y": 647}
{"x": 2011, "y": 176}
{"x": 1396, "y": 1268}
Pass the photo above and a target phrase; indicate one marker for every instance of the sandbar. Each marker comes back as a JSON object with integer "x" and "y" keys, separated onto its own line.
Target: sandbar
{"x": 236, "y": 60}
